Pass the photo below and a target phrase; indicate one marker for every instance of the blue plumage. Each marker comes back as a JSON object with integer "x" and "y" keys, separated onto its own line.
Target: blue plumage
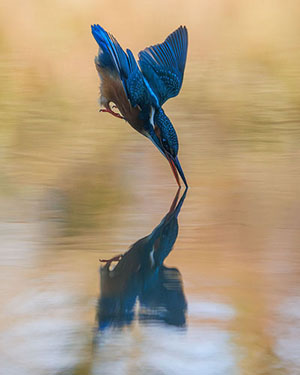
{"x": 112, "y": 56}
{"x": 140, "y": 275}
{"x": 117, "y": 60}
{"x": 135, "y": 86}
{"x": 163, "y": 64}
{"x": 168, "y": 134}
{"x": 139, "y": 90}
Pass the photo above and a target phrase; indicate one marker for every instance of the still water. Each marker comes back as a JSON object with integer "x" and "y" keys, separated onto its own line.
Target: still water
{"x": 203, "y": 282}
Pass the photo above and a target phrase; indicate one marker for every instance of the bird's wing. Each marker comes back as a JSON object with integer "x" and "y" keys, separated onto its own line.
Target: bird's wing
{"x": 123, "y": 64}
{"x": 163, "y": 64}
{"x": 111, "y": 55}
{"x": 138, "y": 90}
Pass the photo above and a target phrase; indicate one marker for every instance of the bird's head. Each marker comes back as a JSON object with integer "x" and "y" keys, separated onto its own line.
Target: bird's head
{"x": 164, "y": 137}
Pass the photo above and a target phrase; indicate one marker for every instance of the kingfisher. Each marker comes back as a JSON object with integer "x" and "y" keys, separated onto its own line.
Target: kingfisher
{"x": 138, "y": 89}
{"x": 141, "y": 275}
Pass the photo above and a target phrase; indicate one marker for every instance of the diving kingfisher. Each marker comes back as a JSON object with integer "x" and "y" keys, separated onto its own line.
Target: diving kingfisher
{"x": 138, "y": 90}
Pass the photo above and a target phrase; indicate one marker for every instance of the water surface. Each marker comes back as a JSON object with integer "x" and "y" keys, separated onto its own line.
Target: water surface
{"x": 211, "y": 287}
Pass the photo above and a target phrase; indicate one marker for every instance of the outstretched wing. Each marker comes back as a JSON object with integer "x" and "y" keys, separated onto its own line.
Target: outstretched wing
{"x": 163, "y": 64}
{"x": 111, "y": 55}
{"x": 112, "y": 58}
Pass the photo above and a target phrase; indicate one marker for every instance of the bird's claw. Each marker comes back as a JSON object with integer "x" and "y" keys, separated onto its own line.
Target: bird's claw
{"x": 111, "y": 112}
{"x": 114, "y": 259}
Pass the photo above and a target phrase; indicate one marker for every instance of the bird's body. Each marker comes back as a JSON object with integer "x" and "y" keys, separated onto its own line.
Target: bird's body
{"x": 139, "y": 91}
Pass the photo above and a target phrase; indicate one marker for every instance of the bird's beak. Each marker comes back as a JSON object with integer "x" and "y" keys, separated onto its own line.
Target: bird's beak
{"x": 176, "y": 168}
{"x": 174, "y": 162}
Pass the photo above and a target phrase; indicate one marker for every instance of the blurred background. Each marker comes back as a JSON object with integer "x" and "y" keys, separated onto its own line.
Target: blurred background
{"x": 77, "y": 185}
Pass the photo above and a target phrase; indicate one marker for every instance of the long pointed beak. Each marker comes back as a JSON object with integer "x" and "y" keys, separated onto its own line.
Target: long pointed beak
{"x": 179, "y": 169}
{"x": 176, "y": 167}
{"x": 174, "y": 162}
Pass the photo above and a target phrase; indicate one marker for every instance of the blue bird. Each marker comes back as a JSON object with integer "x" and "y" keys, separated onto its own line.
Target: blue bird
{"x": 140, "y": 89}
{"x": 141, "y": 275}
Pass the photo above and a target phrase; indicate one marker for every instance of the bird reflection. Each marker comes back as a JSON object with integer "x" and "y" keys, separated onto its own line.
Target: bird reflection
{"x": 140, "y": 285}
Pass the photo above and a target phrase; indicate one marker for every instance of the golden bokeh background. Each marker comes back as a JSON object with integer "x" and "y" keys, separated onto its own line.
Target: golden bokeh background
{"x": 76, "y": 185}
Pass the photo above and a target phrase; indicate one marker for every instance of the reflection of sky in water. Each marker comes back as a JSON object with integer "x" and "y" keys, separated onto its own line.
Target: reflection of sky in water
{"x": 43, "y": 335}
{"x": 165, "y": 350}
{"x": 210, "y": 310}
{"x": 288, "y": 332}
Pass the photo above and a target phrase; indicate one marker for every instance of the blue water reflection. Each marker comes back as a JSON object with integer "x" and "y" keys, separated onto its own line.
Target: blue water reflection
{"x": 141, "y": 278}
